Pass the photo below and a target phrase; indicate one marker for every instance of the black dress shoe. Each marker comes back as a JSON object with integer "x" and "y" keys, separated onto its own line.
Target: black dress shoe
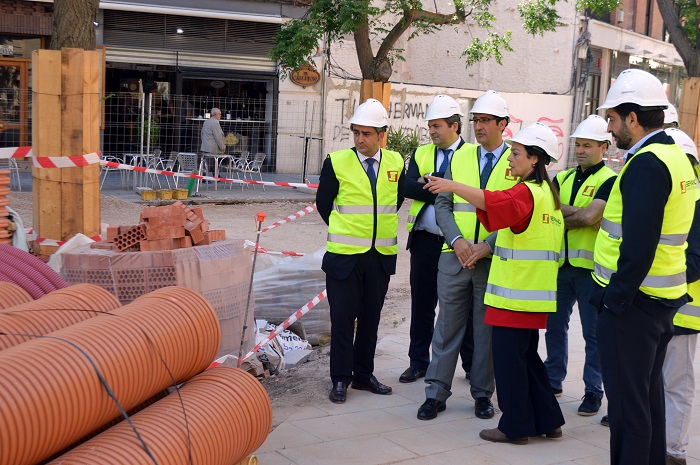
{"x": 411, "y": 374}
{"x": 484, "y": 408}
{"x": 338, "y": 393}
{"x": 371, "y": 385}
{"x": 430, "y": 409}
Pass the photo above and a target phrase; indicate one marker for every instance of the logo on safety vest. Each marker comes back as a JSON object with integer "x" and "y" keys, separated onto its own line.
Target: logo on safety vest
{"x": 687, "y": 185}
{"x": 509, "y": 175}
{"x": 393, "y": 176}
{"x": 588, "y": 191}
{"x": 545, "y": 218}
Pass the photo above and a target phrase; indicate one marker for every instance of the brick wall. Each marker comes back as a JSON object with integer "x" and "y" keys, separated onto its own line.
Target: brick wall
{"x": 26, "y": 18}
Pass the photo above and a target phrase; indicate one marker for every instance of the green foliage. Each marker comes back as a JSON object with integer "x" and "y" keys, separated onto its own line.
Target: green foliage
{"x": 598, "y": 7}
{"x": 492, "y": 47}
{"x": 689, "y": 11}
{"x": 404, "y": 142}
{"x": 539, "y": 16}
{"x": 154, "y": 131}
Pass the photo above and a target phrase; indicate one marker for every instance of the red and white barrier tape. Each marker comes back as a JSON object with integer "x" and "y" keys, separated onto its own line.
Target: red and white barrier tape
{"x": 288, "y": 322}
{"x": 291, "y": 217}
{"x": 15, "y": 152}
{"x": 44, "y": 241}
{"x": 251, "y": 244}
{"x": 94, "y": 158}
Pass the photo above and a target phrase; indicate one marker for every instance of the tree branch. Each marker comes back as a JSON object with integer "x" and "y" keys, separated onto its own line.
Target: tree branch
{"x": 411, "y": 16}
{"x": 363, "y": 46}
{"x": 686, "y": 49}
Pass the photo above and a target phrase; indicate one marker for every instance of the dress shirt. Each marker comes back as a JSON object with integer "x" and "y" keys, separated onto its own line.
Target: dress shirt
{"x": 377, "y": 157}
{"x": 496, "y": 156}
{"x": 427, "y": 221}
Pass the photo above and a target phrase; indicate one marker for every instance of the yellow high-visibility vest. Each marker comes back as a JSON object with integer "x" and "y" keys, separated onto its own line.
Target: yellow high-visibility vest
{"x": 666, "y": 277}
{"x": 358, "y": 220}
{"x": 578, "y": 243}
{"x": 465, "y": 169}
{"x": 524, "y": 268}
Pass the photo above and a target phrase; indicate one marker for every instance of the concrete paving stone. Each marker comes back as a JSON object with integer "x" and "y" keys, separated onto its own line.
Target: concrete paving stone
{"x": 541, "y": 451}
{"x": 359, "y": 450}
{"x": 455, "y": 411}
{"x": 362, "y": 401}
{"x": 287, "y": 435}
{"x": 590, "y": 434}
{"x": 274, "y": 458}
{"x": 351, "y": 425}
{"x": 466, "y": 456}
{"x": 602, "y": 459}
{"x": 429, "y": 438}
{"x": 294, "y": 358}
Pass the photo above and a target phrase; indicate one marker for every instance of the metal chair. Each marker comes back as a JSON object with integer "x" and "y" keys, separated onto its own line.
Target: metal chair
{"x": 254, "y": 166}
{"x": 11, "y": 164}
{"x": 187, "y": 163}
{"x": 105, "y": 170}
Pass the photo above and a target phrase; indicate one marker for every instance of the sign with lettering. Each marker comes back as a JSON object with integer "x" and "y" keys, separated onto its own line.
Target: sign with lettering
{"x": 306, "y": 75}
{"x": 7, "y": 50}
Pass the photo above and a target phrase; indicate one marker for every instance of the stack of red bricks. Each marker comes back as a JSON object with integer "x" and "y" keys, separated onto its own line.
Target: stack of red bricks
{"x": 174, "y": 226}
{"x": 6, "y": 226}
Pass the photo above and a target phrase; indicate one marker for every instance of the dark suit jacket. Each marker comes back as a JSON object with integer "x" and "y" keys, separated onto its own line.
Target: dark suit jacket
{"x": 414, "y": 190}
{"x": 336, "y": 265}
{"x": 645, "y": 187}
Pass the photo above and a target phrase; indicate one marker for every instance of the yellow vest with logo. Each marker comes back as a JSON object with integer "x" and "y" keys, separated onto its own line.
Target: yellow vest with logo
{"x": 425, "y": 159}
{"x": 688, "y": 316}
{"x": 524, "y": 268}
{"x": 578, "y": 243}
{"x": 359, "y": 220}
{"x": 465, "y": 169}
{"x": 666, "y": 277}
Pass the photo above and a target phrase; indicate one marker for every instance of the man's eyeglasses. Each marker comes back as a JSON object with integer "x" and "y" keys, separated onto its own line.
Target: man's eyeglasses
{"x": 482, "y": 120}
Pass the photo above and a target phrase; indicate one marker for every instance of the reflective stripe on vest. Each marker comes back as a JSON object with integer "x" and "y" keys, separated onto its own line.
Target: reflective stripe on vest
{"x": 425, "y": 160}
{"x": 364, "y": 209}
{"x": 354, "y": 227}
{"x": 523, "y": 274}
{"x": 465, "y": 169}
{"x": 666, "y": 276}
{"x": 515, "y": 294}
{"x": 577, "y": 246}
{"x": 615, "y": 230}
{"x": 688, "y": 316}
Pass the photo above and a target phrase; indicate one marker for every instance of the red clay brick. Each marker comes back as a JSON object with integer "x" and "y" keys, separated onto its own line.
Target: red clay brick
{"x": 112, "y": 233}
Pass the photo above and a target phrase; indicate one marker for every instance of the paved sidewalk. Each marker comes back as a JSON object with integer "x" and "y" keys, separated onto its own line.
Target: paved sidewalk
{"x": 372, "y": 430}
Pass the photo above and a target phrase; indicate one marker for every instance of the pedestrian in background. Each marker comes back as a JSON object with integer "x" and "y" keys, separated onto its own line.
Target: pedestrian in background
{"x": 212, "y": 135}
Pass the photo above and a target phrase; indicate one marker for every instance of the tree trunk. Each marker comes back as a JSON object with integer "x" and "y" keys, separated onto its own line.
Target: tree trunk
{"x": 73, "y": 24}
{"x": 688, "y": 51}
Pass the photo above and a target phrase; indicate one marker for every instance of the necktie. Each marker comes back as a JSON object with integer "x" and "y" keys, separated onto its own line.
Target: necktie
{"x": 371, "y": 174}
{"x": 445, "y": 160}
{"x": 486, "y": 172}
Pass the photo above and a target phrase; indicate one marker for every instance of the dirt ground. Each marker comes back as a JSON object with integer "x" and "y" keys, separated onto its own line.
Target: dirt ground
{"x": 307, "y": 384}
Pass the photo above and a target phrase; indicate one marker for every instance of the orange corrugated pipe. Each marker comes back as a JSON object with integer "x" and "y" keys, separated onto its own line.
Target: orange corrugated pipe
{"x": 51, "y": 394}
{"x": 56, "y": 310}
{"x": 228, "y": 416}
{"x": 12, "y": 294}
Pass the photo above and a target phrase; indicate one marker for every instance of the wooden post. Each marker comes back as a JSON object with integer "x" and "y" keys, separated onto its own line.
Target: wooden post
{"x": 377, "y": 90}
{"x": 689, "y": 109}
{"x": 66, "y": 119}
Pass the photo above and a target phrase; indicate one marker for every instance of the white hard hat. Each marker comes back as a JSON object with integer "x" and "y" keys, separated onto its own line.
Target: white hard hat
{"x": 539, "y": 135}
{"x": 684, "y": 141}
{"x": 595, "y": 128}
{"x": 670, "y": 115}
{"x": 370, "y": 113}
{"x": 636, "y": 86}
{"x": 442, "y": 106}
{"x": 491, "y": 103}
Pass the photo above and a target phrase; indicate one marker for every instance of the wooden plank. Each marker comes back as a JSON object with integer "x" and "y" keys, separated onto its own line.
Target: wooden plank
{"x": 689, "y": 107}
{"x": 386, "y": 95}
{"x": 91, "y": 142}
{"x": 377, "y": 91}
{"x": 46, "y": 141}
{"x": 366, "y": 89}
